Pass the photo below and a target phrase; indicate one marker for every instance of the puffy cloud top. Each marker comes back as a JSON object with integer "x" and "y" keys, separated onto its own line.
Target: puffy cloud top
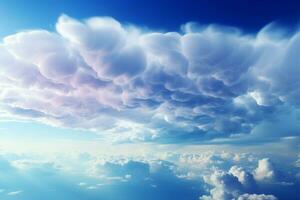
{"x": 133, "y": 85}
{"x": 265, "y": 170}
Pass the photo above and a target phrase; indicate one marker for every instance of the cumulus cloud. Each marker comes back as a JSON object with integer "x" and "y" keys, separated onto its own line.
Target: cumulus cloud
{"x": 222, "y": 176}
{"x": 243, "y": 176}
{"x": 137, "y": 85}
{"x": 226, "y": 186}
{"x": 265, "y": 170}
{"x": 234, "y": 184}
{"x": 256, "y": 197}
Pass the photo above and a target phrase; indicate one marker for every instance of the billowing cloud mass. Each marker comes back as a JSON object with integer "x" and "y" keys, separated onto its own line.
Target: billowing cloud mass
{"x": 131, "y": 84}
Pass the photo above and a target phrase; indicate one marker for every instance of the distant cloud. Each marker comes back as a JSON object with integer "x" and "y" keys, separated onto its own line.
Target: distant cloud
{"x": 265, "y": 170}
{"x": 136, "y": 85}
{"x": 82, "y": 184}
{"x": 256, "y": 197}
{"x": 221, "y": 177}
{"x": 14, "y": 193}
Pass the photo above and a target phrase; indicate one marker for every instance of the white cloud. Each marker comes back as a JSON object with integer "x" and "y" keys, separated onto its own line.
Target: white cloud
{"x": 243, "y": 176}
{"x": 14, "y": 193}
{"x": 225, "y": 186}
{"x": 219, "y": 176}
{"x": 240, "y": 184}
{"x": 256, "y": 197}
{"x": 82, "y": 184}
{"x": 233, "y": 185}
{"x": 101, "y": 75}
{"x": 265, "y": 170}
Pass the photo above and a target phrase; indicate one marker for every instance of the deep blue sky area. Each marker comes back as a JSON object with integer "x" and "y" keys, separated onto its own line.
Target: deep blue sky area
{"x": 168, "y": 15}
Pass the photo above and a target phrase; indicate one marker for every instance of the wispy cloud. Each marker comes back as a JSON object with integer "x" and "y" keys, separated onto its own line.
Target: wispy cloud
{"x": 14, "y": 193}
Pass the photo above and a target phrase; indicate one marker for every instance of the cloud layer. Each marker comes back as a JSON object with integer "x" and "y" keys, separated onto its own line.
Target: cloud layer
{"x": 131, "y": 84}
{"x": 205, "y": 176}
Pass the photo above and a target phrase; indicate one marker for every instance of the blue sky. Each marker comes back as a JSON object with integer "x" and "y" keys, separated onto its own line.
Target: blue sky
{"x": 169, "y": 15}
{"x": 149, "y": 100}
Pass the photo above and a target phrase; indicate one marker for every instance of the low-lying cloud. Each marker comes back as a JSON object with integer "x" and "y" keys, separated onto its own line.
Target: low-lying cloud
{"x": 206, "y": 176}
